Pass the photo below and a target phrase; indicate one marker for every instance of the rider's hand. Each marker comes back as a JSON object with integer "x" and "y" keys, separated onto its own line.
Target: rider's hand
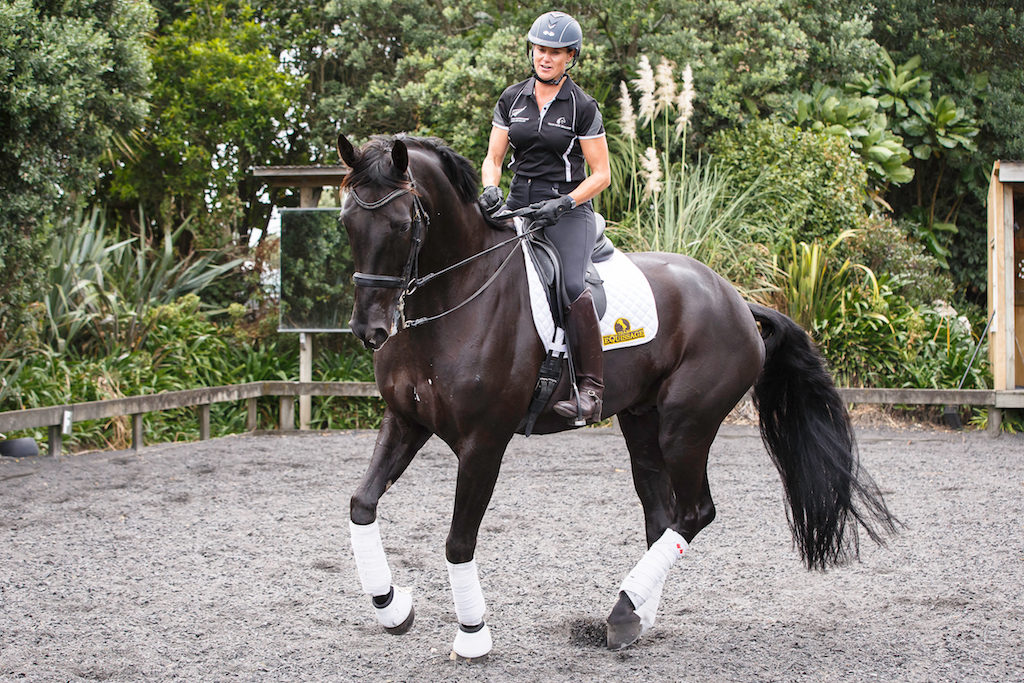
{"x": 490, "y": 199}
{"x": 548, "y": 212}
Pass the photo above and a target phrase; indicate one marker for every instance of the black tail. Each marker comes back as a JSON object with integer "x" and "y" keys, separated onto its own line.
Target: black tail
{"x": 807, "y": 431}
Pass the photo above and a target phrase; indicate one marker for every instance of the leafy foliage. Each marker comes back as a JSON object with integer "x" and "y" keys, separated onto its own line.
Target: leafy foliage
{"x": 817, "y": 187}
{"x": 813, "y": 288}
{"x": 972, "y": 51}
{"x": 72, "y": 77}
{"x": 827, "y": 109}
{"x": 219, "y": 104}
{"x": 888, "y": 246}
{"x": 101, "y": 291}
{"x": 934, "y": 128}
{"x": 746, "y": 55}
{"x": 870, "y": 335}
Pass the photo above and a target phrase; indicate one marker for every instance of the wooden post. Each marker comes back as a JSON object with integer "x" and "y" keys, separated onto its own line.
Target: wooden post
{"x": 305, "y": 375}
{"x": 55, "y": 440}
{"x": 287, "y": 413}
{"x": 137, "y": 432}
{"x": 204, "y": 422}
{"x": 251, "y": 417}
{"x": 309, "y": 196}
{"x": 995, "y": 420}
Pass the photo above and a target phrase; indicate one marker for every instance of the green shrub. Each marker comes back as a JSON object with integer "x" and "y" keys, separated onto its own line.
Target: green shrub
{"x": 813, "y": 282}
{"x": 185, "y": 350}
{"x": 886, "y": 246}
{"x": 818, "y": 186}
{"x": 861, "y": 343}
{"x": 938, "y": 356}
{"x": 857, "y": 120}
{"x": 882, "y": 341}
{"x": 664, "y": 202}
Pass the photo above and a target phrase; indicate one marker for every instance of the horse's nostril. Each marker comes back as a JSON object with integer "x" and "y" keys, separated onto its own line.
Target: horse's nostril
{"x": 377, "y": 339}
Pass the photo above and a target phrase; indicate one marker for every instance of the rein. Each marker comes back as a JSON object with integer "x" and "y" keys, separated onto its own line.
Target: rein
{"x": 409, "y": 281}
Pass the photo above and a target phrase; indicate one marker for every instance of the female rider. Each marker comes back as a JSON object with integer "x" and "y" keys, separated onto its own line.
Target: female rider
{"x": 553, "y": 126}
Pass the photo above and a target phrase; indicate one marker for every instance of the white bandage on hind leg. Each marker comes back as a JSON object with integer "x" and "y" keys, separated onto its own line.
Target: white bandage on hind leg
{"x": 648, "y": 576}
{"x": 466, "y": 591}
{"x": 374, "y": 572}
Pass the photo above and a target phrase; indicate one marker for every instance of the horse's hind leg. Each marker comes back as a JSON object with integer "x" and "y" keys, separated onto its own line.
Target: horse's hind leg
{"x": 677, "y": 504}
{"x": 397, "y": 442}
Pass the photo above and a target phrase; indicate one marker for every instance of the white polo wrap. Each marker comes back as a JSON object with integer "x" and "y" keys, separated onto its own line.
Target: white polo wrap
{"x": 374, "y": 572}
{"x": 648, "y": 576}
{"x": 466, "y": 591}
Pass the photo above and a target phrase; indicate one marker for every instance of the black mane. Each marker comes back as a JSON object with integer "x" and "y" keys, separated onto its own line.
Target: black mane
{"x": 373, "y": 165}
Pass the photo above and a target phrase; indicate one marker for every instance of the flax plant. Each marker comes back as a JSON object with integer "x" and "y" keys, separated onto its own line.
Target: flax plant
{"x": 669, "y": 205}
{"x": 814, "y": 285}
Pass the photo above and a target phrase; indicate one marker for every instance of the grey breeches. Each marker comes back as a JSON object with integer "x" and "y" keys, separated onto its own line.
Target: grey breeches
{"x": 573, "y": 235}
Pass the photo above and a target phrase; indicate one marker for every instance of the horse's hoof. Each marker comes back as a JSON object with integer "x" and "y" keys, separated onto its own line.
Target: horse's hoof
{"x": 624, "y": 624}
{"x": 472, "y": 643}
{"x": 404, "y": 626}
{"x": 622, "y": 635}
{"x": 395, "y": 612}
{"x": 456, "y": 657}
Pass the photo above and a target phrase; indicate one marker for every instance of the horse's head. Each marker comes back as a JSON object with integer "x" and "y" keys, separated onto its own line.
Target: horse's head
{"x": 385, "y": 222}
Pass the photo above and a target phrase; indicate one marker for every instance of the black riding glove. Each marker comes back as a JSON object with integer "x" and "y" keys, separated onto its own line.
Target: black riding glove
{"x": 548, "y": 212}
{"x": 490, "y": 199}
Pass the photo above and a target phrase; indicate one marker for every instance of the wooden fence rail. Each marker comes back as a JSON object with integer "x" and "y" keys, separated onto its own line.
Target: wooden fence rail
{"x": 59, "y": 419}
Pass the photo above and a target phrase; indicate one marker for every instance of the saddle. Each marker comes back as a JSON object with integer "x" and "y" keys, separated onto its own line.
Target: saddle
{"x": 549, "y": 269}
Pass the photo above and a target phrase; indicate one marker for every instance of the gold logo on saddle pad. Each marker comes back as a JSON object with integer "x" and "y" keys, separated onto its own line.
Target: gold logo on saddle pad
{"x": 623, "y": 333}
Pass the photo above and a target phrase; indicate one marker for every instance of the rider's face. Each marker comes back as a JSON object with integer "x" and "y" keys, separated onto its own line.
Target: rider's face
{"x": 551, "y": 62}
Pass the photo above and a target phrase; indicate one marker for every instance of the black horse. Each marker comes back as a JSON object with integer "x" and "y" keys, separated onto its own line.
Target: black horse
{"x": 458, "y": 357}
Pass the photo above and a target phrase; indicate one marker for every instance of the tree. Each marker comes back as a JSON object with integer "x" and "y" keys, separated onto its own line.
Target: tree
{"x": 220, "y": 105}
{"x": 973, "y": 52}
{"x": 748, "y": 56}
{"x": 73, "y": 77}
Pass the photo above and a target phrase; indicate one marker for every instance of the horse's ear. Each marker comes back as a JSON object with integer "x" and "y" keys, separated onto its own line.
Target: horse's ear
{"x": 400, "y": 157}
{"x": 346, "y": 150}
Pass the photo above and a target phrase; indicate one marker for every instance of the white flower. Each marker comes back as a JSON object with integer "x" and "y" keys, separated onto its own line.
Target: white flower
{"x": 644, "y": 82}
{"x": 650, "y": 169}
{"x": 685, "y": 101}
{"x": 943, "y": 309}
{"x": 627, "y": 117}
{"x": 666, "y": 92}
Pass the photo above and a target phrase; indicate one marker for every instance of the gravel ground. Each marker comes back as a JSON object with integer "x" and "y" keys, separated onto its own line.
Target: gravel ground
{"x": 229, "y": 560}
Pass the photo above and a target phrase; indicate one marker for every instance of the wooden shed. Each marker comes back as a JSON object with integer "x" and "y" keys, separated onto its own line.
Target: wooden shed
{"x": 1006, "y": 274}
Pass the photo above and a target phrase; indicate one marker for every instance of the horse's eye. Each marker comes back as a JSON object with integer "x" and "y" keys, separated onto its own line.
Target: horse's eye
{"x": 405, "y": 227}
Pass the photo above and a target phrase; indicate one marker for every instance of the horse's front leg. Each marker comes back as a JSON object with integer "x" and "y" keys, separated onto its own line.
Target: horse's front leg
{"x": 397, "y": 442}
{"x": 479, "y": 464}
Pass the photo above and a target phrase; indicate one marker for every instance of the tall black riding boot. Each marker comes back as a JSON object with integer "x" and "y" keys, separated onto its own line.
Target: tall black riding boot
{"x": 584, "y": 336}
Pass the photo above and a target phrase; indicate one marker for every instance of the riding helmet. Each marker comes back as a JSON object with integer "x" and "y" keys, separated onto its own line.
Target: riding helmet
{"x": 557, "y": 29}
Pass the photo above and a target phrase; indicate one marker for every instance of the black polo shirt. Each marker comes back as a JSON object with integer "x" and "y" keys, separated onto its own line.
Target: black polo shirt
{"x": 546, "y": 144}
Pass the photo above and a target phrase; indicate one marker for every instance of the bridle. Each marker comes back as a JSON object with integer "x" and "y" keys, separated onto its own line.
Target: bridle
{"x": 420, "y": 221}
{"x": 409, "y": 281}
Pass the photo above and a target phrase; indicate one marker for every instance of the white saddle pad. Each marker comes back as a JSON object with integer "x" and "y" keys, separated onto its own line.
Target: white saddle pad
{"x": 631, "y": 318}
